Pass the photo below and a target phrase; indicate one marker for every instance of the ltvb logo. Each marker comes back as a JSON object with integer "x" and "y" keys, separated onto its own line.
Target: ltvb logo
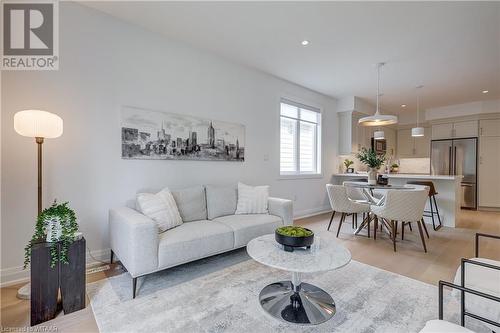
{"x": 30, "y": 36}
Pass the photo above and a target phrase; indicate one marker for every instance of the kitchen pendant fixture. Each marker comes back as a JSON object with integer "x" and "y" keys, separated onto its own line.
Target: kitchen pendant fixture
{"x": 378, "y": 119}
{"x": 378, "y": 135}
{"x": 418, "y": 131}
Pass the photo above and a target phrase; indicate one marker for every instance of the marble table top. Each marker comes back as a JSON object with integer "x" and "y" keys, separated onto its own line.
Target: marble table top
{"x": 330, "y": 255}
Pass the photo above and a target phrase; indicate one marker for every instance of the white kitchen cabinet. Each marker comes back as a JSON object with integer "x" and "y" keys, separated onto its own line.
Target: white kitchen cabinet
{"x": 352, "y": 136}
{"x": 442, "y": 131}
{"x": 460, "y": 129}
{"x": 465, "y": 129}
{"x": 489, "y": 171}
{"x": 489, "y": 127}
{"x": 409, "y": 146}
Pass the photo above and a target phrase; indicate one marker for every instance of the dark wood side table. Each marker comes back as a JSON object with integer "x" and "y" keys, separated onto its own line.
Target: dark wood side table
{"x": 46, "y": 281}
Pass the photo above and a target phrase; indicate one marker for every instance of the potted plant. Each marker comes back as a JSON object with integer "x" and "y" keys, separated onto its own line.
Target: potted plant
{"x": 373, "y": 161}
{"x": 348, "y": 163}
{"x": 394, "y": 167}
{"x": 56, "y": 224}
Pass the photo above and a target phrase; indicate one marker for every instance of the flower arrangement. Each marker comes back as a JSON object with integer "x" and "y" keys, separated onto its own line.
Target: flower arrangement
{"x": 57, "y": 225}
{"x": 370, "y": 158}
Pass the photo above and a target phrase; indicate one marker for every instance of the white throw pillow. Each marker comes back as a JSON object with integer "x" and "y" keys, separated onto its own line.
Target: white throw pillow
{"x": 161, "y": 208}
{"x": 252, "y": 199}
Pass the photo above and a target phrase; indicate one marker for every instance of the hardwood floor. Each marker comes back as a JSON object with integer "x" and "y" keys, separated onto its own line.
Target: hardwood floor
{"x": 445, "y": 248}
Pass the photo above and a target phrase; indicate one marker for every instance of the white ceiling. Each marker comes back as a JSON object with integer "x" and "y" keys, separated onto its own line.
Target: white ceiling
{"x": 452, "y": 48}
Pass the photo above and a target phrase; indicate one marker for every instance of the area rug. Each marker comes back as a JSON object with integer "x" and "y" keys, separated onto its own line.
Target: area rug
{"x": 220, "y": 294}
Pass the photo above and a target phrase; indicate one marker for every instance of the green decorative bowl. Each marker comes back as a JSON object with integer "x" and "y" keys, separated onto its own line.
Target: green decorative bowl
{"x": 292, "y": 237}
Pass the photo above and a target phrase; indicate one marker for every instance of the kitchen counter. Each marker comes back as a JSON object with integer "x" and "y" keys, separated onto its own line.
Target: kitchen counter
{"x": 448, "y": 188}
{"x": 402, "y": 175}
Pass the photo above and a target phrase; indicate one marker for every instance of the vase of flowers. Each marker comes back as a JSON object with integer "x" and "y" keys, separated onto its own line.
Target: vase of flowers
{"x": 373, "y": 161}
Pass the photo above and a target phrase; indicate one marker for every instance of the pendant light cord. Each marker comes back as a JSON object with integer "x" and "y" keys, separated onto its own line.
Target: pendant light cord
{"x": 378, "y": 87}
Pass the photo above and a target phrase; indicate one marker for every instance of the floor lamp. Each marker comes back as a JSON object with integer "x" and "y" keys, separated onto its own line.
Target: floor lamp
{"x": 39, "y": 125}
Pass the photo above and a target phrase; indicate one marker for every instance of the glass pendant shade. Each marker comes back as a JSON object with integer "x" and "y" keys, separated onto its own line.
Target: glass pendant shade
{"x": 38, "y": 124}
{"x": 417, "y": 131}
{"x": 378, "y": 135}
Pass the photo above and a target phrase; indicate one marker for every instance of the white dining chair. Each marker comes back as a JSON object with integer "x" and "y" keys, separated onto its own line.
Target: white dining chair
{"x": 340, "y": 202}
{"x": 401, "y": 205}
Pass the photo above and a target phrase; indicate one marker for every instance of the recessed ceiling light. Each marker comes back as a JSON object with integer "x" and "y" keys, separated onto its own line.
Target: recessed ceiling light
{"x": 403, "y": 105}
{"x": 485, "y": 91}
{"x": 304, "y": 42}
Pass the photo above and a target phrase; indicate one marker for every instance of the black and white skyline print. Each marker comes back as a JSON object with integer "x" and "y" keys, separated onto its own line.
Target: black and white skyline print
{"x": 148, "y": 134}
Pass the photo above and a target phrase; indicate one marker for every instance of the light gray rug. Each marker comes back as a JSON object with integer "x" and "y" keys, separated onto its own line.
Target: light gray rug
{"x": 220, "y": 294}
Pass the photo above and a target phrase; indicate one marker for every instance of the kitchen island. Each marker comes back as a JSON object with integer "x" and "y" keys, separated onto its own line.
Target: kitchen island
{"x": 448, "y": 188}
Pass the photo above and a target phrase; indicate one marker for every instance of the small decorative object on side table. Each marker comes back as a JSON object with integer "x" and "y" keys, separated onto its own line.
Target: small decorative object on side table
{"x": 57, "y": 256}
{"x": 294, "y": 237}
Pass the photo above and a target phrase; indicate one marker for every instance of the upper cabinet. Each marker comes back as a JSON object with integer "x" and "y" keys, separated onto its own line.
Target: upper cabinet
{"x": 461, "y": 129}
{"x": 409, "y": 146}
{"x": 490, "y": 127}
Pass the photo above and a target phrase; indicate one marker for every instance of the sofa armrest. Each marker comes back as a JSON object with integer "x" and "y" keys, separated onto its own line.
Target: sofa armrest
{"x": 134, "y": 239}
{"x": 282, "y": 208}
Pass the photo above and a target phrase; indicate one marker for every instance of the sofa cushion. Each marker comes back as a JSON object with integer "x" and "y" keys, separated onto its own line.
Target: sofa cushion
{"x": 161, "y": 208}
{"x": 252, "y": 199}
{"x": 221, "y": 200}
{"x": 247, "y": 227}
{"x": 191, "y": 203}
{"x": 191, "y": 241}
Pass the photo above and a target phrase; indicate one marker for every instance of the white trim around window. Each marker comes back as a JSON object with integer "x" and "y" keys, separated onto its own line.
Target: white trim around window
{"x": 300, "y": 140}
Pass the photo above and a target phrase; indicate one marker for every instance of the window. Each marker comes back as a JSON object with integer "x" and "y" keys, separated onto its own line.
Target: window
{"x": 300, "y": 139}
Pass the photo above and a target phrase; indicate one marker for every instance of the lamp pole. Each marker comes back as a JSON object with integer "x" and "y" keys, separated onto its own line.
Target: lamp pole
{"x": 39, "y": 142}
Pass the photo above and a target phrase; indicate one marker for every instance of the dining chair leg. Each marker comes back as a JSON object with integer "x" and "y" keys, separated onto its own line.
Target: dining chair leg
{"x": 331, "y": 219}
{"x": 402, "y": 230}
{"x": 409, "y": 224}
{"x": 352, "y": 218}
{"x": 356, "y": 220}
{"x": 425, "y": 228}
{"x": 342, "y": 218}
{"x": 393, "y": 225}
{"x": 368, "y": 227}
{"x": 375, "y": 226}
{"x": 421, "y": 235}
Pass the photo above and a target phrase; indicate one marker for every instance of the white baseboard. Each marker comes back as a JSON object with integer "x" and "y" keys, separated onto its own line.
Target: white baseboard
{"x": 15, "y": 275}
{"x": 311, "y": 212}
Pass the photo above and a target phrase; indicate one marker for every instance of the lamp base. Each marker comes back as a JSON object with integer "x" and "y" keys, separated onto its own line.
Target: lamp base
{"x": 24, "y": 292}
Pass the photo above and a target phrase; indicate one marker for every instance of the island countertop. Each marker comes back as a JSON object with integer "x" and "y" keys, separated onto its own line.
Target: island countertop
{"x": 402, "y": 175}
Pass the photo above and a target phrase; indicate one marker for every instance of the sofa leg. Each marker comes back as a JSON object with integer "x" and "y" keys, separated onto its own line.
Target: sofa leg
{"x": 111, "y": 257}
{"x": 134, "y": 286}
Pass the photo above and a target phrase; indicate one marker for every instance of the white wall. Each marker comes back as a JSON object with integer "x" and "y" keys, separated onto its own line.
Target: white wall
{"x": 106, "y": 63}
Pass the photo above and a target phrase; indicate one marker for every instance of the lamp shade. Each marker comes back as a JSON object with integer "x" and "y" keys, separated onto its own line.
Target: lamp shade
{"x": 378, "y": 120}
{"x": 417, "y": 131}
{"x": 378, "y": 135}
{"x": 38, "y": 124}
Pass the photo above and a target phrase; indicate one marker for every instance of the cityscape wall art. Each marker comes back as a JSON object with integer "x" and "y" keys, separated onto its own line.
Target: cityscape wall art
{"x": 156, "y": 135}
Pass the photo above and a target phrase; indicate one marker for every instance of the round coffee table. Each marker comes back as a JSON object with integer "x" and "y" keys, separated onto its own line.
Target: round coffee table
{"x": 296, "y": 301}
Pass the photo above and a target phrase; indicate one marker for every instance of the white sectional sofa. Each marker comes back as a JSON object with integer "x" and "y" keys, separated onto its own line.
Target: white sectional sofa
{"x": 209, "y": 227}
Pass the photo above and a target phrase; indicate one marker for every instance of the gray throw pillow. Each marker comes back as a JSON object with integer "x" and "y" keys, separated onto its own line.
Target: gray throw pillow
{"x": 191, "y": 203}
{"x": 221, "y": 200}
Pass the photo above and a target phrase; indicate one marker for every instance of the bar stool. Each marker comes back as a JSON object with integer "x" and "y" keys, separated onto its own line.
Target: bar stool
{"x": 432, "y": 201}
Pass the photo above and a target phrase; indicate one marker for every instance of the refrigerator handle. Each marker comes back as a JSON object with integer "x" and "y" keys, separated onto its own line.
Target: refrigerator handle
{"x": 449, "y": 160}
{"x": 455, "y": 161}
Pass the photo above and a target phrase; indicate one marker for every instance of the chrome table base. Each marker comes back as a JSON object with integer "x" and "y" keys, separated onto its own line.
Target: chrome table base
{"x": 298, "y": 302}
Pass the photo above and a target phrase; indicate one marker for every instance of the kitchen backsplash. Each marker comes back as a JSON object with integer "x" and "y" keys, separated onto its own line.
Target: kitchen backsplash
{"x": 406, "y": 165}
{"x": 414, "y": 165}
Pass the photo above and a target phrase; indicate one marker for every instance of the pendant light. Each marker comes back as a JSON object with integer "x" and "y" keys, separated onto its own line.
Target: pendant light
{"x": 378, "y": 135}
{"x": 418, "y": 131}
{"x": 378, "y": 119}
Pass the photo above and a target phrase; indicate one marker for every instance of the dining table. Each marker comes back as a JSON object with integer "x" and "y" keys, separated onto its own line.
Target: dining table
{"x": 367, "y": 190}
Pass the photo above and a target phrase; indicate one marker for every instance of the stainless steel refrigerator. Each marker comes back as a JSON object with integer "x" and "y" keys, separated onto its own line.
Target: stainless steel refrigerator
{"x": 457, "y": 157}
